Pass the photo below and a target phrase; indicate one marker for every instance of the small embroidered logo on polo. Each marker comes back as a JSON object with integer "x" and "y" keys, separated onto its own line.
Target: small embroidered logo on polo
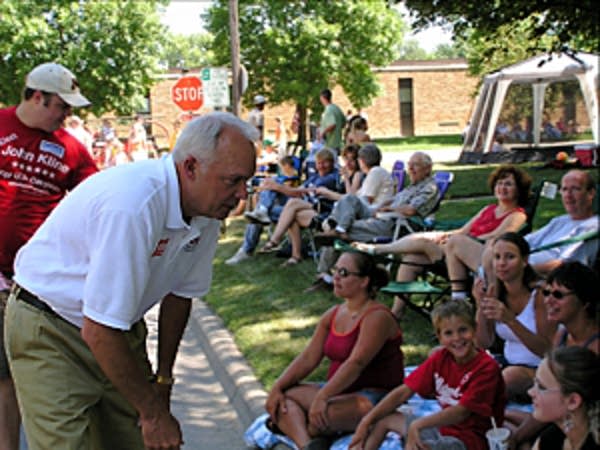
{"x": 190, "y": 246}
{"x": 160, "y": 247}
{"x": 52, "y": 147}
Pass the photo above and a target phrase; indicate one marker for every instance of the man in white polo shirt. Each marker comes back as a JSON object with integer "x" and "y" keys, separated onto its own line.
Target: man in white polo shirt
{"x": 122, "y": 241}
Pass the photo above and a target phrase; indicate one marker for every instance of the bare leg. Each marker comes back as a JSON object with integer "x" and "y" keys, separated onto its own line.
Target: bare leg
{"x": 10, "y": 419}
{"x": 462, "y": 253}
{"x": 294, "y": 423}
{"x": 393, "y": 422}
{"x": 288, "y": 216}
{"x": 414, "y": 243}
{"x": 303, "y": 219}
{"x": 344, "y": 412}
{"x": 296, "y": 240}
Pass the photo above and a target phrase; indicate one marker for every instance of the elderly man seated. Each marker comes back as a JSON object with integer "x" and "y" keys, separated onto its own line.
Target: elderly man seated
{"x": 417, "y": 199}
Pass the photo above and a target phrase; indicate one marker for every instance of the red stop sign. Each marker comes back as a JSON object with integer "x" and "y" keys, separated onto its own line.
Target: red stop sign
{"x": 187, "y": 93}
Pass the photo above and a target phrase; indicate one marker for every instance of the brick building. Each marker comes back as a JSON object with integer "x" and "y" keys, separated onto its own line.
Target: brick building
{"x": 418, "y": 98}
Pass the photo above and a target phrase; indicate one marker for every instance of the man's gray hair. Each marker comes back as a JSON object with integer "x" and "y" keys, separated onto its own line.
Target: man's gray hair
{"x": 424, "y": 158}
{"x": 370, "y": 154}
{"x": 199, "y": 138}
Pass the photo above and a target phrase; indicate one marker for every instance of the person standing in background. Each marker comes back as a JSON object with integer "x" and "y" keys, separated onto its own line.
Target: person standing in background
{"x": 332, "y": 125}
{"x": 39, "y": 163}
{"x": 76, "y": 128}
{"x": 257, "y": 118}
{"x": 281, "y": 138}
{"x": 137, "y": 145}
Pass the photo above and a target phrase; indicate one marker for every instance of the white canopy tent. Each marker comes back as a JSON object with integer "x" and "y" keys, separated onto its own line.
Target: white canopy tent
{"x": 539, "y": 71}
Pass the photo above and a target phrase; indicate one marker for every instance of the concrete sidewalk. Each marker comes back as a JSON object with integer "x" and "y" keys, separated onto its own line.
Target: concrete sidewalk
{"x": 216, "y": 395}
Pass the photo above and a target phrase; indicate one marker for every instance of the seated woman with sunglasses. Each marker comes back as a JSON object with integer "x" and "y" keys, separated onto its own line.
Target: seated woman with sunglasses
{"x": 361, "y": 339}
{"x": 514, "y": 310}
{"x": 571, "y": 301}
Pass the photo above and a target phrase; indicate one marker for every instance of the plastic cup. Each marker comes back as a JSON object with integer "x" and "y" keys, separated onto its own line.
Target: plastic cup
{"x": 498, "y": 438}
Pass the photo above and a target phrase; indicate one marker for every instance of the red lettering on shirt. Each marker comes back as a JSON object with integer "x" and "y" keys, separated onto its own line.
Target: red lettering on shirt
{"x": 160, "y": 247}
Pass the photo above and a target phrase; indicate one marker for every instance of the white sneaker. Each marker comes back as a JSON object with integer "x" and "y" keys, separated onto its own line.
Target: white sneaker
{"x": 239, "y": 256}
{"x": 258, "y": 216}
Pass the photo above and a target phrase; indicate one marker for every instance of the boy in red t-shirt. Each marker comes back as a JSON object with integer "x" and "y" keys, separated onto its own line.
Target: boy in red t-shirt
{"x": 465, "y": 380}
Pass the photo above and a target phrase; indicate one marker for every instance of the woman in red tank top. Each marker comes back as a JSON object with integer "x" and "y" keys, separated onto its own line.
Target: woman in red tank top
{"x": 361, "y": 338}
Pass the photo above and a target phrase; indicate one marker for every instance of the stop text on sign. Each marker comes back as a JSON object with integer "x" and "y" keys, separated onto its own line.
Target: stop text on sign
{"x": 187, "y": 93}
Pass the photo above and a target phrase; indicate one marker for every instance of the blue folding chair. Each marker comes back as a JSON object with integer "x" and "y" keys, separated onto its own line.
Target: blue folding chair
{"x": 398, "y": 175}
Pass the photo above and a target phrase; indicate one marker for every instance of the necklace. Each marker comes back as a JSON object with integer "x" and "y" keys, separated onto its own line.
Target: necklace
{"x": 358, "y": 312}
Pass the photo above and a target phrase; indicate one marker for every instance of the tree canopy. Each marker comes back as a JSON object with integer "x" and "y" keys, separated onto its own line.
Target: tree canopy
{"x": 112, "y": 46}
{"x": 186, "y": 51}
{"x": 294, "y": 48}
{"x": 500, "y": 32}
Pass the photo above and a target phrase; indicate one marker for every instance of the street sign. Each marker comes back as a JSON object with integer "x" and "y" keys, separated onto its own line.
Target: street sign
{"x": 187, "y": 93}
{"x": 215, "y": 82}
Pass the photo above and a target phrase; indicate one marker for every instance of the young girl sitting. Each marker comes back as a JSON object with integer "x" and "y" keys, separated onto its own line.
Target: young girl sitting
{"x": 465, "y": 380}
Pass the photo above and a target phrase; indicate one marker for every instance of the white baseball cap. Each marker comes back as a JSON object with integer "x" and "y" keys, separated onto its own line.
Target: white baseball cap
{"x": 259, "y": 100}
{"x": 56, "y": 79}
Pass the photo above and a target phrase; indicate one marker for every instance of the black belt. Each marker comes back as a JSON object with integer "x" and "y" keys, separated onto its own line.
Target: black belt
{"x": 24, "y": 295}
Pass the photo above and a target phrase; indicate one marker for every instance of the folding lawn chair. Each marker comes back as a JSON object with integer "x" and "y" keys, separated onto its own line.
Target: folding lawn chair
{"x": 432, "y": 291}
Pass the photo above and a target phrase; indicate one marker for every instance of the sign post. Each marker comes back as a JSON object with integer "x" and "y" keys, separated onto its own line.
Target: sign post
{"x": 187, "y": 93}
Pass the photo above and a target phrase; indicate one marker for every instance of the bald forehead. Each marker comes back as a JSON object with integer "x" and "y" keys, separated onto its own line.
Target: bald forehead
{"x": 576, "y": 176}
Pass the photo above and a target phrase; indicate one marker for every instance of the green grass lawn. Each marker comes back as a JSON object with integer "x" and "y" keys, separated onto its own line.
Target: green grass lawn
{"x": 434, "y": 142}
{"x": 264, "y": 306}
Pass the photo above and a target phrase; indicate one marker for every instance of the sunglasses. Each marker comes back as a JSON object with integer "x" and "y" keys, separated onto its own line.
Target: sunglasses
{"x": 342, "y": 272}
{"x": 558, "y": 295}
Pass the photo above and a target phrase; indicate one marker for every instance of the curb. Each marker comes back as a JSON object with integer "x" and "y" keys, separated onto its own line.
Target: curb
{"x": 245, "y": 392}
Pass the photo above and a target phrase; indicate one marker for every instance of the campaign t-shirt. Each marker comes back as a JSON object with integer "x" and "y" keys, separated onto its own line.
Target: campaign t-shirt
{"x": 37, "y": 169}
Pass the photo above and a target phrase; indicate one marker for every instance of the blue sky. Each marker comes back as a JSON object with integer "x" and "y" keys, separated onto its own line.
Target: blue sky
{"x": 183, "y": 16}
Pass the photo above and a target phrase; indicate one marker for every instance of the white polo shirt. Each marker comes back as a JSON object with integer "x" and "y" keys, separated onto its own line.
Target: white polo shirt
{"x": 116, "y": 245}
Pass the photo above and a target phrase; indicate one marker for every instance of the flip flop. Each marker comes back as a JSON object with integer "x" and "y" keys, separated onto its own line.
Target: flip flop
{"x": 269, "y": 247}
{"x": 290, "y": 262}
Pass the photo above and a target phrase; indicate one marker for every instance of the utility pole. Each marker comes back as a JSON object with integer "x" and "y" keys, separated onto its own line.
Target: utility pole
{"x": 235, "y": 56}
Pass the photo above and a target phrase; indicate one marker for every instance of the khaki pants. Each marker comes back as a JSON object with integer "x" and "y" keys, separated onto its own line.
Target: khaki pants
{"x": 66, "y": 401}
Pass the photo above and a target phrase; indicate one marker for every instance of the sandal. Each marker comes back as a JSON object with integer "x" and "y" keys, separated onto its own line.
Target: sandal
{"x": 269, "y": 247}
{"x": 290, "y": 262}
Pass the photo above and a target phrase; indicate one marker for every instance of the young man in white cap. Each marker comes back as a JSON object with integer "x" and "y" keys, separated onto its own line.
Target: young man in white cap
{"x": 39, "y": 163}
